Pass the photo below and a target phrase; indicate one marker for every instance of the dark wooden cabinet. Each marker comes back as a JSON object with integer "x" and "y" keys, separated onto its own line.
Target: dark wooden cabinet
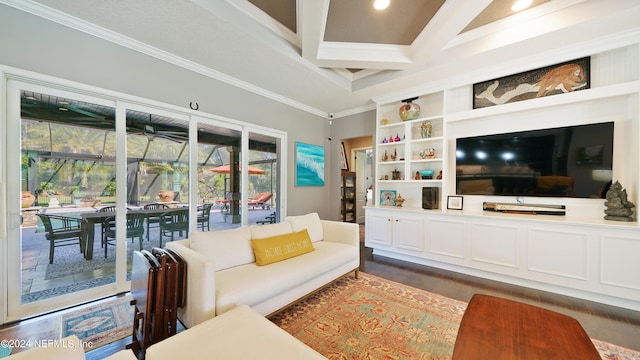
{"x": 348, "y": 200}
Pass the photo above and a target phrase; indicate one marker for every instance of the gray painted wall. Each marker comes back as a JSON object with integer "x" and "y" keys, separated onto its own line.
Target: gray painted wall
{"x": 31, "y": 43}
{"x": 353, "y": 126}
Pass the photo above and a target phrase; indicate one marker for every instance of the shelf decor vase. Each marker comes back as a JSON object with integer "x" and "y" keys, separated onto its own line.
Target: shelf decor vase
{"x": 426, "y": 129}
{"x": 427, "y": 174}
{"x": 410, "y": 110}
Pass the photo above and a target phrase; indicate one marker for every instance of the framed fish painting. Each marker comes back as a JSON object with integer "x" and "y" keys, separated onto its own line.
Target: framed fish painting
{"x": 556, "y": 79}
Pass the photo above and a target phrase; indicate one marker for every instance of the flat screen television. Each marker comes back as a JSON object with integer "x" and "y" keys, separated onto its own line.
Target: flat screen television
{"x": 571, "y": 161}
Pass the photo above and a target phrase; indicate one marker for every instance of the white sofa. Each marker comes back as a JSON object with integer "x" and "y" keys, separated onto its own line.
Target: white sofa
{"x": 222, "y": 273}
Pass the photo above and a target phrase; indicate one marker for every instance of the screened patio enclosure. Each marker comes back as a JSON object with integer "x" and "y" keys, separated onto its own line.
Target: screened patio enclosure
{"x": 72, "y": 159}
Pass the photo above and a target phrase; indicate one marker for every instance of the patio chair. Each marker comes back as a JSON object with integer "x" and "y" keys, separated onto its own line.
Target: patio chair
{"x": 102, "y": 226}
{"x": 261, "y": 200}
{"x": 203, "y": 216}
{"x": 174, "y": 221}
{"x": 153, "y": 219}
{"x": 63, "y": 231}
{"x": 135, "y": 229}
{"x": 271, "y": 219}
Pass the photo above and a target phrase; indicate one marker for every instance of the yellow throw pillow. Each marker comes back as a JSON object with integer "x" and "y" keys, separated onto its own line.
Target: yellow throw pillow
{"x": 281, "y": 247}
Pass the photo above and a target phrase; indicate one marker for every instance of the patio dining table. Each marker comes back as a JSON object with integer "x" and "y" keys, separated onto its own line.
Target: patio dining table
{"x": 90, "y": 219}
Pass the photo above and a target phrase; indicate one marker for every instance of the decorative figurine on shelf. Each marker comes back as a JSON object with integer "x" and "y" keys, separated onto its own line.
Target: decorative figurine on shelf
{"x": 399, "y": 200}
{"x": 618, "y": 207}
{"x": 395, "y": 174}
{"x": 397, "y": 138}
{"x": 390, "y": 139}
{"x": 394, "y": 155}
{"x": 410, "y": 110}
{"x": 384, "y": 141}
{"x": 428, "y": 153}
{"x": 384, "y": 121}
{"x": 417, "y": 177}
{"x": 426, "y": 129}
{"x": 385, "y": 157}
{"x": 439, "y": 177}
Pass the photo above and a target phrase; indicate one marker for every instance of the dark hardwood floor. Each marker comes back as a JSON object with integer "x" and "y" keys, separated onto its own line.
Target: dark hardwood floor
{"x": 603, "y": 322}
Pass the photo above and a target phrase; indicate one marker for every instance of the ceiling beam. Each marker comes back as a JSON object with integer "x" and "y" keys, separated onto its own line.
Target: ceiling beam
{"x": 445, "y": 26}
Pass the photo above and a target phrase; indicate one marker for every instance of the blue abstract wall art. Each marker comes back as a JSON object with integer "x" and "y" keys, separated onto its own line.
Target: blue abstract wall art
{"x": 309, "y": 165}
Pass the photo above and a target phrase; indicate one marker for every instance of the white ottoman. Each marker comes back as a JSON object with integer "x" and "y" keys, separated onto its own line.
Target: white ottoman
{"x": 241, "y": 333}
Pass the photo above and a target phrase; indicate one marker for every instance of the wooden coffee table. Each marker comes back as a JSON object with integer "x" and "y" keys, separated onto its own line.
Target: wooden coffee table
{"x": 496, "y": 328}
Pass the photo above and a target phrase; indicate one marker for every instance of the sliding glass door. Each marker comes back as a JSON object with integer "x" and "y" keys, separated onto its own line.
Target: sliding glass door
{"x": 230, "y": 193}
{"x": 96, "y": 178}
{"x": 264, "y": 195}
{"x": 63, "y": 167}
{"x": 157, "y": 181}
{"x": 219, "y": 180}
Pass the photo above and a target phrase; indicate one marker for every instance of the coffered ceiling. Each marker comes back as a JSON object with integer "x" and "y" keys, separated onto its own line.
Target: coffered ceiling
{"x": 334, "y": 56}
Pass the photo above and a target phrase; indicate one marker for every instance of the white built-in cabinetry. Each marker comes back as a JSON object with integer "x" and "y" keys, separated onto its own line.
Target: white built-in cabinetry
{"x": 402, "y": 232}
{"x": 579, "y": 254}
{"x": 598, "y": 261}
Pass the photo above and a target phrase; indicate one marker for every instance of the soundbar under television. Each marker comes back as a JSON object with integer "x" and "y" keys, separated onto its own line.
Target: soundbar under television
{"x": 571, "y": 161}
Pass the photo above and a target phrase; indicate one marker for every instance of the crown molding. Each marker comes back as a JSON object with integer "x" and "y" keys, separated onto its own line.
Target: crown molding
{"x": 75, "y": 23}
{"x": 354, "y": 111}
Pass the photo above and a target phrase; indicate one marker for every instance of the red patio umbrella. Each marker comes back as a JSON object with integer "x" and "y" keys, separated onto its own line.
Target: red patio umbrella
{"x": 226, "y": 169}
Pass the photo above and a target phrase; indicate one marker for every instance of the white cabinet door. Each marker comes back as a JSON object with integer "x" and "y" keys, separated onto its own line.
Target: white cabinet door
{"x": 408, "y": 233}
{"x": 378, "y": 230}
{"x": 620, "y": 261}
{"x": 446, "y": 239}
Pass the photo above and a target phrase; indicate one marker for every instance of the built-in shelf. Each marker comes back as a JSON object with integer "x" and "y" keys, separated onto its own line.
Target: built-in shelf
{"x": 348, "y": 196}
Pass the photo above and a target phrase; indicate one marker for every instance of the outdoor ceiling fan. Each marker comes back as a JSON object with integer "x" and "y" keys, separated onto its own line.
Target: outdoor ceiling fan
{"x": 152, "y": 132}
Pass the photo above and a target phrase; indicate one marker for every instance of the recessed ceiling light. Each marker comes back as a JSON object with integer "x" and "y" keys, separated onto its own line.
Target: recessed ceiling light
{"x": 381, "y": 4}
{"x": 521, "y": 5}
{"x": 63, "y": 109}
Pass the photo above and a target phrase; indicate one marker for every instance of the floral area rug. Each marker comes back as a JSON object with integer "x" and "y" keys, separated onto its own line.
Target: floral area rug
{"x": 100, "y": 324}
{"x": 373, "y": 318}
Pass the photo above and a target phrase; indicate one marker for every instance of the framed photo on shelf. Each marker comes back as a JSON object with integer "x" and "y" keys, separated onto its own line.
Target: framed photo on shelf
{"x": 388, "y": 197}
{"x": 454, "y": 202}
